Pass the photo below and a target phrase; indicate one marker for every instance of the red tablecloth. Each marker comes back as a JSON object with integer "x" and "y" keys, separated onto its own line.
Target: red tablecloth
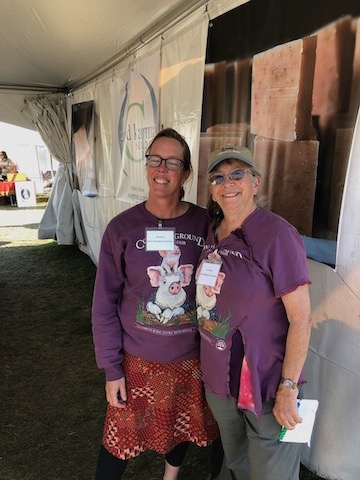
{"x": 7, "y": 188}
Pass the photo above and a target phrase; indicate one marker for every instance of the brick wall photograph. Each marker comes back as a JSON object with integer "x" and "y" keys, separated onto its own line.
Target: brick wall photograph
{"x": 284, "y": 80}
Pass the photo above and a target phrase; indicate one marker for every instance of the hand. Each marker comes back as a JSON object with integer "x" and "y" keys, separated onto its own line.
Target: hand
{"x": 285, "y": 409}
{"x": 116, "y": 393}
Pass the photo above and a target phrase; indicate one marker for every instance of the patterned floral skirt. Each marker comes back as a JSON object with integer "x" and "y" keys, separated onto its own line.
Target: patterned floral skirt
{"x": 165, "y": 406}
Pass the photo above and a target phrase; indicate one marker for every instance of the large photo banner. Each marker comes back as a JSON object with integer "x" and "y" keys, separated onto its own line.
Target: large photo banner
{"x": 290, "y": 93}
{"x": 282, "y": 77}
{"x": 135, "y": 119}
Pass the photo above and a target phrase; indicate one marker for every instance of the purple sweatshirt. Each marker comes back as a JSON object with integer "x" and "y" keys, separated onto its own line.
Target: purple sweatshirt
{"x": 243, "y": 314}
{"x": 144, "y": 301}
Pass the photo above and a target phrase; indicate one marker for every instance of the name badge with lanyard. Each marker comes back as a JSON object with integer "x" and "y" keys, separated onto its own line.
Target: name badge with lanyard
{"x": 208, "y": 273}
{"x": 160, "y": 239}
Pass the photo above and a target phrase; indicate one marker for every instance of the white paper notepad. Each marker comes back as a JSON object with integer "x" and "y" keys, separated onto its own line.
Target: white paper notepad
{"x": 302, "y": 432}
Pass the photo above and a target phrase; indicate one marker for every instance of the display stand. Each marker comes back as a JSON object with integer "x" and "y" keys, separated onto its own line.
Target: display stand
{"x": 25, "y": 194}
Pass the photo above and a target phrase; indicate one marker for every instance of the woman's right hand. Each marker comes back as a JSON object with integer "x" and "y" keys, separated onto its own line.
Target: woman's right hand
{"x": 116, "y": 393}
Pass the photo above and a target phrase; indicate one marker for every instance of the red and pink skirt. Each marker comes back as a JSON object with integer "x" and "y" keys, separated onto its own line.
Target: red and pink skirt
{"x": 165, "y": 406}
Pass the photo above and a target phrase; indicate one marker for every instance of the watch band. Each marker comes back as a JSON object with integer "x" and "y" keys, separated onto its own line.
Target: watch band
{"x": 288, "y": 383}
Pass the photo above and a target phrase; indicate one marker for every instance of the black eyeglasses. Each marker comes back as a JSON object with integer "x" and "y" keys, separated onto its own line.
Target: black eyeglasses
{"x": 170, "y": 163}
{"x": 233, "y": 176}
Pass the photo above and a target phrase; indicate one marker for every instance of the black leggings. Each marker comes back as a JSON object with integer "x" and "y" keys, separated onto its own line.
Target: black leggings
{"x": 110, "y": 467}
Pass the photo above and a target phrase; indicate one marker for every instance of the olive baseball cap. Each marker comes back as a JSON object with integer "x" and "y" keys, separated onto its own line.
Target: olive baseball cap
{"x": 230, "y": 151}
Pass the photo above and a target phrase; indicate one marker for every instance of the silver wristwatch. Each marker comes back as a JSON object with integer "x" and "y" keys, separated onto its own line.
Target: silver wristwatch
{"x": 288, "y": 383}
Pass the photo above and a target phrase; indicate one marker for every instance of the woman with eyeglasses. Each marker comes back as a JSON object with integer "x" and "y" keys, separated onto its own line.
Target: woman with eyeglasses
{"x": 144, "y": 320}
{"x": 254, "y": 313}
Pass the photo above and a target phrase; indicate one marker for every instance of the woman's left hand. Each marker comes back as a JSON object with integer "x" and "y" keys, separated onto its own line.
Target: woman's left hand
{"x": 116, "y": 393}
{"x": 286, "y": 408}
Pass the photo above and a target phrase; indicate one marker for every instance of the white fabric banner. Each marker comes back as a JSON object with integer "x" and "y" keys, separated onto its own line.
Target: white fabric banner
{"x": 127, "y": 108}
{"x": 135, "y": 123}
{"x": 181, "y": 86}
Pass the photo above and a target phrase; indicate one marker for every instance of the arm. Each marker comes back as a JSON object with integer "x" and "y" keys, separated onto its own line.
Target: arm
{"x": 298, "y": 310}
{"x": 106, "y": 325}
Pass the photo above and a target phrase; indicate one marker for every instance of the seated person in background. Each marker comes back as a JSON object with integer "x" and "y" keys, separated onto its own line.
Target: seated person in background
{"x": 6, "y": 165}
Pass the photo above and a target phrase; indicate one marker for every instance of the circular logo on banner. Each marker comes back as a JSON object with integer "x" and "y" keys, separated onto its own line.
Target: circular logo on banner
{"x": 138, "y": 120}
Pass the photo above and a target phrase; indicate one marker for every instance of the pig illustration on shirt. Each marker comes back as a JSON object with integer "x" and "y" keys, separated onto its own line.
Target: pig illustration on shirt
{"x": 206, "y": 297}
{"x": 206, "y": 294}
{"x": 169, "y": 278}
{"x": 170, "y": 259}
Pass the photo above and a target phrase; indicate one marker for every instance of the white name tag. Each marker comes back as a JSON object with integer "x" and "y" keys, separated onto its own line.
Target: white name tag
{"x": 209, "y": 271}
{"x": 160, "y": 239}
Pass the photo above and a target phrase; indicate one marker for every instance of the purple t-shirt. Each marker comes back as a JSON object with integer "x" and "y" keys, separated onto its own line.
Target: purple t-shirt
{"x": 144, "y": 301}
{"x": 262, "y": 261}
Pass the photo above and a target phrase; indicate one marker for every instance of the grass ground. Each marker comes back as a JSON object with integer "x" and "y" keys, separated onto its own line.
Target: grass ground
{"x": 51, "y": 393}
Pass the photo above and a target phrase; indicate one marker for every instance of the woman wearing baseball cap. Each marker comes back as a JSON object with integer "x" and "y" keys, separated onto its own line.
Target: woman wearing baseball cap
{"x": 254, "y": 319}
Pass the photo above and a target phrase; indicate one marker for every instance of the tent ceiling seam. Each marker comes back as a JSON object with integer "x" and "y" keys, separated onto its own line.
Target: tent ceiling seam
{"x": 18, "y": 87}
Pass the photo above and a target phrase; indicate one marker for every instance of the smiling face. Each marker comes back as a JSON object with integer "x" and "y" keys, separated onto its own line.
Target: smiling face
{"x": 234, "y": 195}
{"x": 162, "y": 181}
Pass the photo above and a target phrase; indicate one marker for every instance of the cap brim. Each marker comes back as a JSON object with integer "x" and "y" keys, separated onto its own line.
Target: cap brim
{"x": 226, "y": 156}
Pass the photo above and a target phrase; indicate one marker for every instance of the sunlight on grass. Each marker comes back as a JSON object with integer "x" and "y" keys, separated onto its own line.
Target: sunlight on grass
{"x": 19, "y": 227}
{"x": 20, "y": 236}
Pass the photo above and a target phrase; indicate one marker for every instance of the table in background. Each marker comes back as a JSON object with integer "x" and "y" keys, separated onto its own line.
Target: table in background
{"x": 7, "y": 189}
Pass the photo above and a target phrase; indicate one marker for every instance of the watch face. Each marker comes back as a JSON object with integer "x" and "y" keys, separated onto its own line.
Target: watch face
{"x": 287, "y": 383}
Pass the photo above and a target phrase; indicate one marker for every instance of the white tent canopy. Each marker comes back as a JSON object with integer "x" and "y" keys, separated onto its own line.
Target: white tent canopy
{"x": 54, "y": 46}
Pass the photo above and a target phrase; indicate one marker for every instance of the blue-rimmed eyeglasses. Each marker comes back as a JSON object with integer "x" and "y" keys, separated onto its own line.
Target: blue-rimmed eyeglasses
{"x": 170, "y": 163}
{"x": 233, "y": 176}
